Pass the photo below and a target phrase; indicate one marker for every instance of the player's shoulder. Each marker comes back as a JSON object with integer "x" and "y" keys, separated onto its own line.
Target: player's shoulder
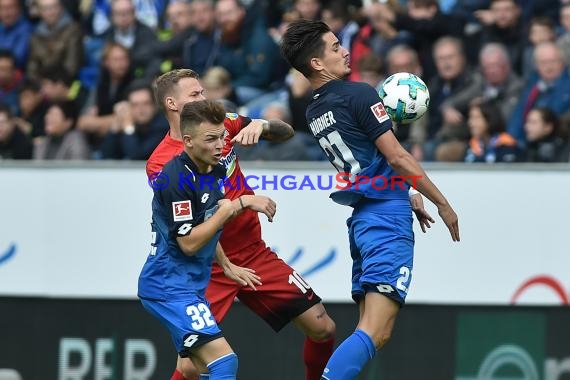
{"x": 359, "y": 89}
{"x": 173, "y": 165}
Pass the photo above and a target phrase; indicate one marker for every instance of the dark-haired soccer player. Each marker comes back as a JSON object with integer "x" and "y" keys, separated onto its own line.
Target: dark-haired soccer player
{"x": 352, "y": 127}
{"x": 187, "y": 223}
{"x": 282, "y": 297}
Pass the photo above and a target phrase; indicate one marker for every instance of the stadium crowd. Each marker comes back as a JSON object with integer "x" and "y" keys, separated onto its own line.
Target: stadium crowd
{"x": 75, "y": 75}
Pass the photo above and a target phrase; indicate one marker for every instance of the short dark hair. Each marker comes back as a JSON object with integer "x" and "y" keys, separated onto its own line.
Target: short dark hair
{"x": 195, "y": 113}
{"x": 164, "y": 84}
{"x": 7, "y": 54}
{"x": 5, "y": 109}
{"x": 303, "y": 41}
{"x": 69, "y": 109}
{"x": 29, "y": 85}
{"x": 139, "y": 84}
{"x": 492, "y": 115}
{"x": 56, "y": 75}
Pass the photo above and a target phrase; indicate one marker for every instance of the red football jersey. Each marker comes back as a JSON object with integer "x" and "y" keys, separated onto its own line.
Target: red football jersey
{"x": 233, "y": 238}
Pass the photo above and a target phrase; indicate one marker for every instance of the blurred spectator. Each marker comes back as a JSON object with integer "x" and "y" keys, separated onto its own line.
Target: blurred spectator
{"x": 337, "y": 16}
{"x": 116, "y": 75}
{"x": 545, "y": 142}
{"x": 402, "y": 58}
{"x": 489, "y": 141}
{"x": 541, "y": 29}
{"x": 495, "y": 82}
{"x": 286, "y": 18}
{"x": 217, "y": 84}
{"x": 447, "y": 128}
{"x": 15, "y": 31}
{"x": 57, "y": 85}
{"x": 377, "y": 36}
{"x": 248, "y": 52}
{"x": 56, "y": 42}
{"x": 564, "y": 38}
{"x": 178, "y": 16}
{"x": 371, "y": 70}
{"x": 33, "y": 109}
{"x": 10, "y": 78}
{"x": 179, "y": 20}
{"x": 502, "y": 23}
{"x": 426, "y": 23}
{"x": 308, "y": 9}
{"x": 551, "y": 89}
{"x": 139, "y": 126}
{"x": 299, "y": 96}
{"x": 98, "y": 13}
{"x": 126, "y": 30}
{"x": 14, "y": 144}
{"x": 62, "y": 140}
{"x": 201, "y": 47}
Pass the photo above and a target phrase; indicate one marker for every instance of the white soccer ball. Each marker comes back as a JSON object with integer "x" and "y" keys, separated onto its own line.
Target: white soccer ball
{"x": 405, "y": 97}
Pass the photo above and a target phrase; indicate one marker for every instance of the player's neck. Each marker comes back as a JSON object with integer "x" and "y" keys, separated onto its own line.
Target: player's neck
{"x": 174, "y": 123}
{"x": 203, "y": 168}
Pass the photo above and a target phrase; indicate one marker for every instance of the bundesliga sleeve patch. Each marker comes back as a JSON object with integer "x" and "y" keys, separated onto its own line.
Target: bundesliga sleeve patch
{"x": 232, "y": 116}
{"x": 181, "y": 211}
{"x": 379, "y": 112}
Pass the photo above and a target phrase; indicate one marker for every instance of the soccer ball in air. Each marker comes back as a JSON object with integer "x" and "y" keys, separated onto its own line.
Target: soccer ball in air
{"x": 405, "y": 97}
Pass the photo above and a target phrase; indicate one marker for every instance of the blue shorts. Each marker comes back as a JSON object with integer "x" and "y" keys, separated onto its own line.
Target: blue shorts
{"x": 190, "y": 322}
{"x": 382, "y": 248}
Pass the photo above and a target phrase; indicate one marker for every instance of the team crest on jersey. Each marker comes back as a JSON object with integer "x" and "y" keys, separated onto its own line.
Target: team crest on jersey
{"x": 232, "y": 116}
{"x": 181, "y": 211}
{"x": 379, "y": 112}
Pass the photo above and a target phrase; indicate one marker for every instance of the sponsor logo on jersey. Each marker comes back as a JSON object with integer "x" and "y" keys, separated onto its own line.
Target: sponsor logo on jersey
{"x": 229, "y": 162}
{"x": 232, "y": 116}
{"x": 181, "y": 211}
{"x": 379, "y": 112}
{"x": 205, "y": 197}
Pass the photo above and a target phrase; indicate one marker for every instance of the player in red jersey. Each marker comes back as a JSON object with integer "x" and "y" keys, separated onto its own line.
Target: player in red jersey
{"x": 278, "y": 300}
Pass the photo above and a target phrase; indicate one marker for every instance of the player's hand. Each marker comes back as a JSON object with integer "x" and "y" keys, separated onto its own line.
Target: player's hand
{"x": 250, "y": 135}
{"x": 261, "y": 203}
{"x": 227, "y": 207}
{"x": 241, "y": 275}
{"x": 450, "y": 219}
{"x": 424, "y": 218}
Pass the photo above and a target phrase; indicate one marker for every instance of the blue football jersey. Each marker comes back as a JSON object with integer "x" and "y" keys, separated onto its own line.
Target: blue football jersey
{"x": 189, "y": 199}
{"x": 346, "y": 118}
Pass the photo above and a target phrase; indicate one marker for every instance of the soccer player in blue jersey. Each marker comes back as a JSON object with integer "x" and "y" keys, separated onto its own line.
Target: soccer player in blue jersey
{"x": 350, "y": 124}
{"x": 187, "y": 220}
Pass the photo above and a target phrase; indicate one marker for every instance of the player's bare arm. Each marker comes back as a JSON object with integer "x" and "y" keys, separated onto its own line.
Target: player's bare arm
{"x": 241, "y": 275}
{"x": 271, "y": 130}
{"x": 260, "y": 203}
{"x": 404, "y": 164}
{"x": 201, "y": 234}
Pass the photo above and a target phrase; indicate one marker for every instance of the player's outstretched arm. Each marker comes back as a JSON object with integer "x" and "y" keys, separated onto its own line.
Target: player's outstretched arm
{"x": 260, "y": 203}
{"x": 201, "y": 234}
{"x": 406, "y": 165}
{"x": 241, "y": 275}
{"x": 272, "y": 130}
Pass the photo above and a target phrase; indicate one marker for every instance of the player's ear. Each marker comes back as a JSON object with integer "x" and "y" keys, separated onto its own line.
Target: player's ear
{"x": 170, "y": 103}
{"x": 316, "y": 64}
{"x": 187, "y": 141}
